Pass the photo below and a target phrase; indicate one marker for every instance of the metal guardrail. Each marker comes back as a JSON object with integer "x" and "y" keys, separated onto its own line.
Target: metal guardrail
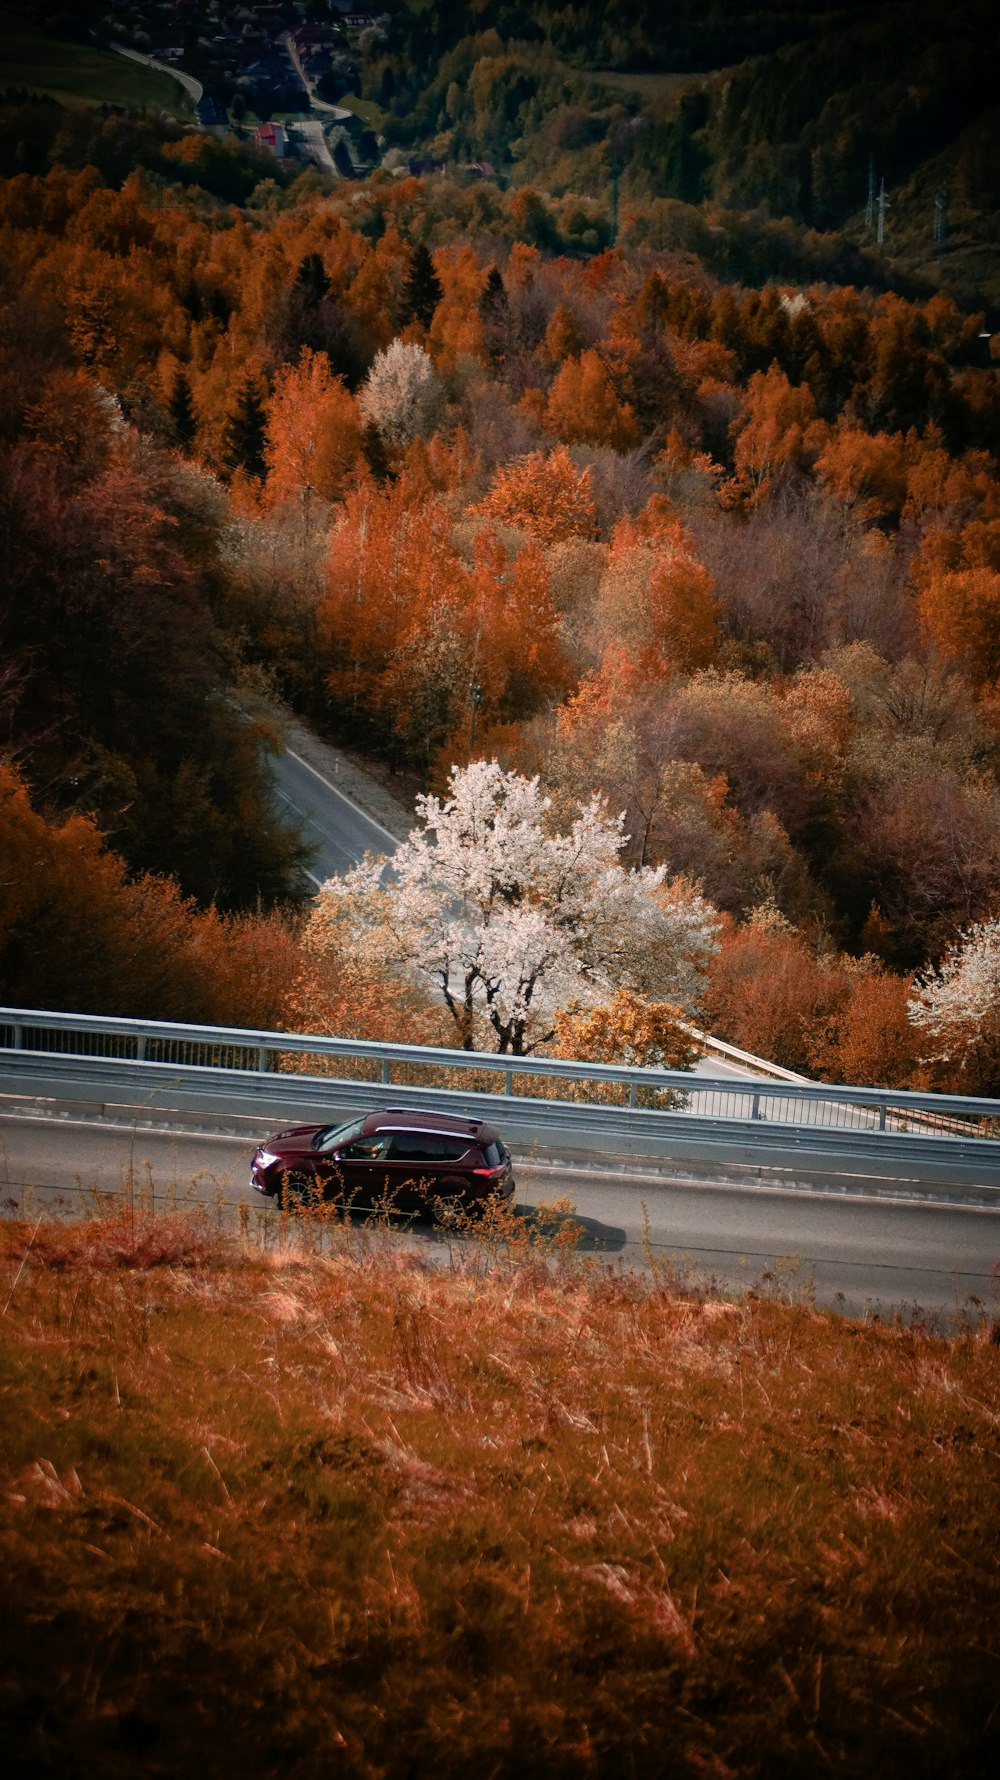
{"x": 718, "y": 1047}
{"x": 805, "y": 1106}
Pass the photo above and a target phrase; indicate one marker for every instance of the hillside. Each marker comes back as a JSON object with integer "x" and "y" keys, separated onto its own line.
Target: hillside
{"x": 304, "y": 1503}
{"x": 38, "y": 60}
{"x": 704, "y": 523}
{"x": 786, "y": 111}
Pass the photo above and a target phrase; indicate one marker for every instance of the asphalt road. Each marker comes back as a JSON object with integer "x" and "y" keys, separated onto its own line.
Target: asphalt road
{"x": 310, "y": 133}
{"x": 859, "y": 1254}
{"x": 327, "y": 818}
{"x": 191, "y": 85}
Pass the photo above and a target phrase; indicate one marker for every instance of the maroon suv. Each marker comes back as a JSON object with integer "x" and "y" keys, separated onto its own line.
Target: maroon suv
{"x": 414, "y": 1162}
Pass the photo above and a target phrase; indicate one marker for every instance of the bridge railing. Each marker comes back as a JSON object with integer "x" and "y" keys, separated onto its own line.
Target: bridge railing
{"x": 809, "y": 1106}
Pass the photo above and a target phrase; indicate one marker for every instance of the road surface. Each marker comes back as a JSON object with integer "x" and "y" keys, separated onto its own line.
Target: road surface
{"x": 327, "y": 817}
{"x": 335, "y": 111}
{"x": 310, "y": 133}
{"x": 859, "y": 1254}
{"x": 191, "y": 86}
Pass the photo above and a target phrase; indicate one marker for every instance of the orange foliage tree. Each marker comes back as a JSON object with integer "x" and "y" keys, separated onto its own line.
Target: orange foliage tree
{"x": 864, "y": 470}
{"x": 562, "y": 336}
{"x": 773, "y": 434}
{"x": 766, "y": 990}
{"x": 457, "y": 329}
{"x": 627, "y": 1029}
{"x": 516, "y": 654}
{"x": 391, "y": 563}
{"x": 313, "y": 444}
{"x": 843, "y": 1019}
{"x": 583, "y": 407}
{"x": 545, "y": 495}
{"x": 338, "y": 991}
{"x": 77, "y": 932}
{"x": 959, "y": 613}
{"x": 656, "y": 599}
{"x": 867, "y": 1036}
{"x": 408, "y": 624}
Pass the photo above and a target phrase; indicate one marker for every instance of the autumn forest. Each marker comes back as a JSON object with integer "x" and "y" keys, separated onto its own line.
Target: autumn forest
{"x": 696, "y": 508}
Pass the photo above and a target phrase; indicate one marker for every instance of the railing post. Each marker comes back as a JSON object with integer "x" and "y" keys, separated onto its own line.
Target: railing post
{"x": 508, "y": 1081}
{"x": 262, "y": 1059}
{"x": 755, "y": 1108}
{"x": 140, "y": 1049}
{"x": 386, "y": 1071}
{"x": 881, "y": 1117}
{"x": 18, "y": 1038}
{"x": 632, "y": 1094}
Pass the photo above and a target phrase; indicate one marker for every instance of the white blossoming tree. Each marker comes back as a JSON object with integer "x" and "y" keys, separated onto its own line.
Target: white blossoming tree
{"x": 401, "y": 395}
{"x": 957, "y": 1006}
{"x": 510, "y": 921}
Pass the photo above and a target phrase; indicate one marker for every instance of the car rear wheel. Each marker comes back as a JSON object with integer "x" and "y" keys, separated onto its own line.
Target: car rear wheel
{"x": 447, "y": 1201}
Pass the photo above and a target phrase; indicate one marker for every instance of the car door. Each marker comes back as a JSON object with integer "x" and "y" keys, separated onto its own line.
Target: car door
{"x": 355, "y": 1175}
{"x": 414, "y": 1169}
{"x": 424, "y": 1167}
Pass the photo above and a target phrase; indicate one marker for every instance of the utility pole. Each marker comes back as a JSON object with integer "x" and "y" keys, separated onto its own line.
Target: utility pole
{"x": 476, "y": 699}
{"x": 883, "y": 206}
{"x": 941, "y": 217}
{"x": 870, "y": 206}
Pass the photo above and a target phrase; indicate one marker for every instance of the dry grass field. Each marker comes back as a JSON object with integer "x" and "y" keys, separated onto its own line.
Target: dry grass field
{"x": 293, "y": 1501}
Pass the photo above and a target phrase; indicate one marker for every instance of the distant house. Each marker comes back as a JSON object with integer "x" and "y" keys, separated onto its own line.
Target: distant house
{"x": 273, "y": 138}
{"x": 480, "y": 169}
{"x": 357, "y": 21}
{"x": 421, "y": 167}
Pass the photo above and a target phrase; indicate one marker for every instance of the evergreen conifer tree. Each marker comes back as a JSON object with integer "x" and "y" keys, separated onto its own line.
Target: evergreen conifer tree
{"x": 245, "y": 431}
{"x": 423, "y": 290}
{"x": 311, "y": 279}
{"x": 180, "y": 410}
{"x": 494, "y": 311}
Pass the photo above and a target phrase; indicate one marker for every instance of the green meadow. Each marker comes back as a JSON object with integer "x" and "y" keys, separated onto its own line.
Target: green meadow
{"x": 76, "y": 72}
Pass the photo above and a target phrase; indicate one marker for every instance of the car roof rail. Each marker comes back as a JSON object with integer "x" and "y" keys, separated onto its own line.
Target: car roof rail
{"x": 415, "y": 1112}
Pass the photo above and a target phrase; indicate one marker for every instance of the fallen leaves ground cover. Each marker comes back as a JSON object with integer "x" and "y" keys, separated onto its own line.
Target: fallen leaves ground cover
{"x": 319, "y": 1507}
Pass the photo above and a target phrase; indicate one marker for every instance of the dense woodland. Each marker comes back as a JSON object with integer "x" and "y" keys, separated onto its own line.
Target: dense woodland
{"x": 708, "y": 517}
{"x": 778, "y": 109}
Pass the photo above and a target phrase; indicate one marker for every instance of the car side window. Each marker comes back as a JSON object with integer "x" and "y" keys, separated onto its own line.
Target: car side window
{"x": 411, "y": 1146}
{"x": 364, "y": 1149}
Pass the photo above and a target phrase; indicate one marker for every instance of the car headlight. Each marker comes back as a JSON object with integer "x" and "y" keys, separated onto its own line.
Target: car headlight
{"x": 265, "y": 1159}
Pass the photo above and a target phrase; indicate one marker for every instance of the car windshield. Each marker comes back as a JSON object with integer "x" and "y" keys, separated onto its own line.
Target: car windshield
{"x": 332, "y": 1135}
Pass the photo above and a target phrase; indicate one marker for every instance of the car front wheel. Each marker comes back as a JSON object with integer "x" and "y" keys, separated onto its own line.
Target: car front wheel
{"x": 296, "y": 1188}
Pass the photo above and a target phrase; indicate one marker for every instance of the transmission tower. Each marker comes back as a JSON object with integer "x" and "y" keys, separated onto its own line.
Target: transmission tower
{"x": 883, "y": 206}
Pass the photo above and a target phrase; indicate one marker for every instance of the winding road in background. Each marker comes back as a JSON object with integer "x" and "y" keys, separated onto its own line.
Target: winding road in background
{"x": 191, "y": 85}
{"x": 337, "y": 828}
